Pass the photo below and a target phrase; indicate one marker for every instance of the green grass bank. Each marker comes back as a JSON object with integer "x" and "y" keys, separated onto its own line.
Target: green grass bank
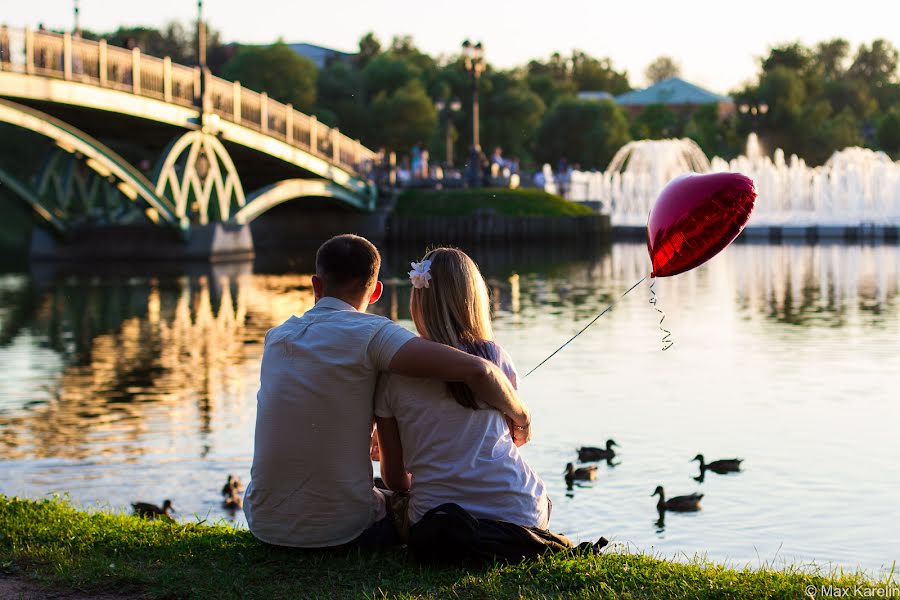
{"x": 500, "y": 201}
{"x": 61, "y": 548}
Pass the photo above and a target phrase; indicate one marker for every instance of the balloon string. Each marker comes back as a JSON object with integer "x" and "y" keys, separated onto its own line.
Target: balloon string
{"x": 667, "y": 338}
{"x": 583, "y": 329}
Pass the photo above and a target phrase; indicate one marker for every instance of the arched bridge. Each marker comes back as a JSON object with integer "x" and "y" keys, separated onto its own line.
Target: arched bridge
{"x": 139, "y": 139}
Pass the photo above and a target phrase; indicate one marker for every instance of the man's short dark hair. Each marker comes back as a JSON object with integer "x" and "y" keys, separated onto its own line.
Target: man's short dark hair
{"x": 347, "y": 264}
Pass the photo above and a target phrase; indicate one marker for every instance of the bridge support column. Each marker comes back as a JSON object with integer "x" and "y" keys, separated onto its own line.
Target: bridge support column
{"x": 218, "y": 242}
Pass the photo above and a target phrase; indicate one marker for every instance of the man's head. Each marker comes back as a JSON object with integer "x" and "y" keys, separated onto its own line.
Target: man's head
{"x": 347, "y": 268}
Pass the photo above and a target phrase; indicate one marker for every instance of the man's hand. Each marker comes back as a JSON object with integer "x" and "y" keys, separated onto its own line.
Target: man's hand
{"x": 521, "y": 434}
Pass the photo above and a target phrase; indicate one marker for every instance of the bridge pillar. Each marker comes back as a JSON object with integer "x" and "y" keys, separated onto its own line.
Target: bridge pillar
{"x": 217, "y": 242}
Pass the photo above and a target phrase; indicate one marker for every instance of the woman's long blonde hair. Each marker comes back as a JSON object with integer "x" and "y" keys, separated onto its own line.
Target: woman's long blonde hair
{"x": 455, "y": 310}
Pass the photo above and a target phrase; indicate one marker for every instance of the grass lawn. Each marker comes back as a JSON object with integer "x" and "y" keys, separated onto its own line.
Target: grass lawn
{"x": 61, "y": 548}
{"x": 515, "y": 203}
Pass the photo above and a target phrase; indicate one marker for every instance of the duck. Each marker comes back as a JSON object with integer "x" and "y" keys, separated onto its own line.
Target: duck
{"x": 231, "y": 486}
{"x": 233, "y": 502}
{"x": 678, "y": 503}
{"x": 589, "y": 453}
{"x": 725, "y": 465}
{"x": 151, "y": 511}
{"x": 580, "y": 474}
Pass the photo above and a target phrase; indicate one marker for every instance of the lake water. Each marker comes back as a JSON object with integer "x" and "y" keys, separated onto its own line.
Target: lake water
{"x": 123, "y": 385}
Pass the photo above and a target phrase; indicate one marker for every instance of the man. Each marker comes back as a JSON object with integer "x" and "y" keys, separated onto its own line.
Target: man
{"x": 311, "y": 479}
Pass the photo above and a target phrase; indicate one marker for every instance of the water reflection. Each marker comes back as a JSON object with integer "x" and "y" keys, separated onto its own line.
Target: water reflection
{"x": 100, "y": 355}
{"x": 133, "y": 355}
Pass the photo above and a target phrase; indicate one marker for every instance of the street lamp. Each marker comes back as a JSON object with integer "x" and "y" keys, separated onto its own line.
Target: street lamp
{"x": 446, "y": 110}
{"x": 755, "y": 110}
{"x": 201, "y": 36}
{"x": 77, "y": 29}
{"x": 473, "y": 60}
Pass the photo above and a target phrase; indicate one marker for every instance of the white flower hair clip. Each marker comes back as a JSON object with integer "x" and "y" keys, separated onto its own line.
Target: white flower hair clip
{"x": 420, "y": 276}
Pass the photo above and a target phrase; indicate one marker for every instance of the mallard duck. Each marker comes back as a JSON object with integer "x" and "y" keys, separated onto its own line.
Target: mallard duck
{"x": 678, "y": 503}
{"x": 726, "y": 465}
{"x": 231, "y": 486}
{"x": 145, "y": 509}
{"x": 233, "y": 502}
{"x": 580, "y": 474}
{"x": 589, "y": 453}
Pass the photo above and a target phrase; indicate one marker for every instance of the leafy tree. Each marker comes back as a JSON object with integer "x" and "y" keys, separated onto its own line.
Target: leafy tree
{"x": 889, "y": 132}
{"x": 404, "y": 117}
{"x": 791, "y": 56}
{"x": 583, "y": 131}
{"x": 511, "y": 114}
{"x": 550, "y": 89}
{"x": 592, "y": 74}
{"x": 830, "y": 59}
{"x": 662, "y": 68}
{"x": 279, "y": 71}
{"x": 369, "y": 48}
{"x": 655, "y": 122}
{"x": 340, "y": 99}
{"x": 876, "y": 64}
{"x": 386, "y": 73}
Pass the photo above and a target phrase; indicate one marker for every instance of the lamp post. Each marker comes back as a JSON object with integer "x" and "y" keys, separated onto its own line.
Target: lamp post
{"x": 77, "y": 29}
{"x": 755, "y": 110}
{"x": 201, "y": 36}
{"x": 473, "y": 59}
{"x": 446, "y": 110}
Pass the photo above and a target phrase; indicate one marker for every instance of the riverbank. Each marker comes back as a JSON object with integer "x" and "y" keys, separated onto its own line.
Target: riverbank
{"x": 58, "y": 548}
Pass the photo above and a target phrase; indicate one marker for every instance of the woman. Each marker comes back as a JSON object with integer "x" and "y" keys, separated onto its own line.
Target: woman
{"x": 436, "y": 439}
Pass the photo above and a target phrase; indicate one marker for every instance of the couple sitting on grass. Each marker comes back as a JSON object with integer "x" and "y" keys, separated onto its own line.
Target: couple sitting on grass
{"x": 444, "y": 402}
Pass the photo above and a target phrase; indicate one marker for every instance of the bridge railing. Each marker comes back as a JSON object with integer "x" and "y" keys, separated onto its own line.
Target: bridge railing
{"x": 94, "y": 62}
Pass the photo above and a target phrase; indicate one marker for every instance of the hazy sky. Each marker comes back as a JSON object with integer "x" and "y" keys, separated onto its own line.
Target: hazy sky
{"x": 717, "y": 43}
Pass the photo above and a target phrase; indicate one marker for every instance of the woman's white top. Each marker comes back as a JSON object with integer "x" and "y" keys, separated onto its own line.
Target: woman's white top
{"x": 461, "y": 455}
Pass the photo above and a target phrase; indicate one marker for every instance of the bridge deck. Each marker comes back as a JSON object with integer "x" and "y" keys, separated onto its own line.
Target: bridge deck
{"x": 175, "y": 88}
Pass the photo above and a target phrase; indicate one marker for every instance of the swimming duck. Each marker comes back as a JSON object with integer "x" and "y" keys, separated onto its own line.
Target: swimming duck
{"x": 145, "y": 509}
{"x": 678, "y": 503}
{"x": 231, "y": 486}
{"x": 589, "y": 453}
{"x": 726, "y": 465}
{"x": 580, "y": 474}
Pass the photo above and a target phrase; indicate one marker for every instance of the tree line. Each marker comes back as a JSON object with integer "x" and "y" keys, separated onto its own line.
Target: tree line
{"x": 819, "y": 98}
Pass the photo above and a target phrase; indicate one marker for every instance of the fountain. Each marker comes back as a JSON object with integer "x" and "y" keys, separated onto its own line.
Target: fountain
{"x": 856, "y": 188}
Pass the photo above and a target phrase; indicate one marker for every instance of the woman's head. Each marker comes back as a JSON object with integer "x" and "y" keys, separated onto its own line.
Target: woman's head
{"x": 454, "y": 309}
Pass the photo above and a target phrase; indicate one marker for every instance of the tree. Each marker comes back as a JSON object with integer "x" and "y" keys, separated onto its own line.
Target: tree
{"x": 582, "y": 131}
{"x": 876, "y": 64}
{"x": 889, "y": 132}
{"x": 404, "y": 118}
{"x": 340, "y": 100}
{"x": 277, "y": 70}
{"x": 830, "y": 59}
{"x": 662, "y": 68}
{"x": 387, "y": 73}
{"x": 656, "y": 122}
{"x": 369, "y": 48}
{"x": 791, "y": 56}
{"x": 597, "y": 75}
{"x": 511, "y": 114}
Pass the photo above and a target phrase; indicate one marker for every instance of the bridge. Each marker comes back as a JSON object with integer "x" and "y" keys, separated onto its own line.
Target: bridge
{"x": 139, "y": 143}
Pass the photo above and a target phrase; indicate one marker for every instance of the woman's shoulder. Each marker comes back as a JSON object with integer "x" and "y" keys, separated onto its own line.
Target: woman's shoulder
{"x": 502, "y": 359}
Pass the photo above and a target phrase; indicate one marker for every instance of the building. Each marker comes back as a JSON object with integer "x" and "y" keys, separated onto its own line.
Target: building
{"x": 595, "y": 96}
{"x": 321, "y": 55}
{"x": 677, "y": 95}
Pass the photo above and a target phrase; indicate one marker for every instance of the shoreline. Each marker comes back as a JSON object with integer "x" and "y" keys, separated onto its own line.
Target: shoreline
{"x": 50, "y": 547}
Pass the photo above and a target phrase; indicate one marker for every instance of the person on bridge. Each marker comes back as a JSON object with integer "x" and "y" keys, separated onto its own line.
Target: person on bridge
{"x": 311, "y": 478}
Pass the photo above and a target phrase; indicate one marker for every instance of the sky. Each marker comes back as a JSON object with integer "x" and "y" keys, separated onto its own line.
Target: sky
{"x": 717, "y": 43}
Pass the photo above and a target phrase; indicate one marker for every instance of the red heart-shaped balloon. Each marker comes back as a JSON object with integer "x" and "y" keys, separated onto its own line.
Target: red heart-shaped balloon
{"x": 695, "y": 218}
